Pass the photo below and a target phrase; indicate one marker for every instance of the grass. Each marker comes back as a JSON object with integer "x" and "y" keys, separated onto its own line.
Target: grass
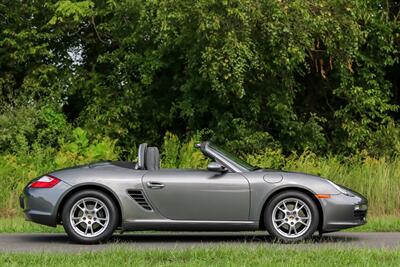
{"x": 215, "y": 256}
{"x": 379, "y": 224}
{"x": 19, "y": 225}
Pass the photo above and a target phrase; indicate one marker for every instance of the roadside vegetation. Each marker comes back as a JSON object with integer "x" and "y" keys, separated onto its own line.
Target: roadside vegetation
{"x": 243, "y": 255}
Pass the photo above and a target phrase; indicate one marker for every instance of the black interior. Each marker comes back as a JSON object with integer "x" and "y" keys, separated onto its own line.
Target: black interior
{"x": 148, "y": 158}
{"x": 152, "y": 159}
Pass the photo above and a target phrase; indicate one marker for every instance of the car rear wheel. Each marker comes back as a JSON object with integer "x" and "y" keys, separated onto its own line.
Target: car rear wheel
{"x": 291, "y": 216}
{"x": 89, "y": 217}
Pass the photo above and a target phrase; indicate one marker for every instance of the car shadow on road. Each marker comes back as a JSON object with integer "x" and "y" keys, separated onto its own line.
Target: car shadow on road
{"x": 189, "y": 237}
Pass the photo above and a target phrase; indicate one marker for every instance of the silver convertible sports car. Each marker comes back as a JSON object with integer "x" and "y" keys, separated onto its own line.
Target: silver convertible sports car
{"x": 92, "y": 201}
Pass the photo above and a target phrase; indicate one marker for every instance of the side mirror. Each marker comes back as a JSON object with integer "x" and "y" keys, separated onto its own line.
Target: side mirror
{"x": 216, "y": 167}
{"x": 198, "y": 145}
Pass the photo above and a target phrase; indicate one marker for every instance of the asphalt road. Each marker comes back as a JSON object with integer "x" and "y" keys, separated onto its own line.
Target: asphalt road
{"x": 168, "y": 240}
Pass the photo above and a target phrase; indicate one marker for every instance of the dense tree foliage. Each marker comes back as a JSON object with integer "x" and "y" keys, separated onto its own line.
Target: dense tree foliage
{"x": 321, "y": 75}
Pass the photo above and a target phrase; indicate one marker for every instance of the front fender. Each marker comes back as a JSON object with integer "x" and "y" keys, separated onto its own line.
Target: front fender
{"x": 262, "y": 191}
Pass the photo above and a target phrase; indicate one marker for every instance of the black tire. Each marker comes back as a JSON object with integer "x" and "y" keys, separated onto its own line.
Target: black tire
{"x": 288, "y": 195}
{"x": 106, "y": 233}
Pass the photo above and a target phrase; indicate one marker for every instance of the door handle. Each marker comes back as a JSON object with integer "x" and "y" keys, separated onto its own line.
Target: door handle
{"x": 155, "y": 185}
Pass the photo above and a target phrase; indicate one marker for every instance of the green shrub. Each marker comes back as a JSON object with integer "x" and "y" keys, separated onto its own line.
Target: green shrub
{"x": 181, "y": 155}
{"x": 385, "y": 142}
{"x": 170, "y": 151}
{"x": 19, "y": 168}
{"x": 80, "y": 150}
{"x": 270, "y": 159}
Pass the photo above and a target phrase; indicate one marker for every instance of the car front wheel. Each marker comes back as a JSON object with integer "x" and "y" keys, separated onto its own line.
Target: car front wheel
{"x": 291, "y": 216}
{"x": 89, "y": 217}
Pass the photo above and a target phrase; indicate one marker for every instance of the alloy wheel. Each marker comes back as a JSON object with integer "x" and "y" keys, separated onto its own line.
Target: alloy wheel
{"x": 89, "y": 217}
{"x": 291, "y": 217}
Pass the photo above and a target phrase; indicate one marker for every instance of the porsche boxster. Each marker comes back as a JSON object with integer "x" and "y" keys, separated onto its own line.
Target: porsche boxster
{"x": 94, "y": 200}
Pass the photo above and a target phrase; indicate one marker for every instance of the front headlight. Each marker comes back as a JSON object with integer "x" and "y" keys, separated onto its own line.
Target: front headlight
{"x": 341, "y": 189}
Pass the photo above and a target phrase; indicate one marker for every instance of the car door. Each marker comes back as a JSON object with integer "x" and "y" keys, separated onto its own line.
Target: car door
{"x": 198, "y": 194}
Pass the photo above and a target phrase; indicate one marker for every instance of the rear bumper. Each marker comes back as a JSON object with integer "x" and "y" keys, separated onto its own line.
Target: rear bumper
{"x": 343, "y": 211}
{"x": 40, "y": 204}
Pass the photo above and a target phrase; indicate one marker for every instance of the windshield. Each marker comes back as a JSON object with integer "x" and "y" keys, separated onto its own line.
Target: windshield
{"x": 232, "y": 157}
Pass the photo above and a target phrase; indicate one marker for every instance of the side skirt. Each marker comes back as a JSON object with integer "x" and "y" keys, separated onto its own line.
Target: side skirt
{"x": 189, "y": 225}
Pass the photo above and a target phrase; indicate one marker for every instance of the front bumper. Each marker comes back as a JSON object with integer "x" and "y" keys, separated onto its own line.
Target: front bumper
{"x": 342, "y": 211}
{"x": 40, "y": 204}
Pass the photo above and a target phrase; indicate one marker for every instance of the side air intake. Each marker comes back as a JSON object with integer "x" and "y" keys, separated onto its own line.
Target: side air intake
{"x": 139, "y": 197}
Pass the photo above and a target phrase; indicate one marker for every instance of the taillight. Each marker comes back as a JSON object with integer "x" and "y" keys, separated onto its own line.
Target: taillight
{"x": 46, "y": 181}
